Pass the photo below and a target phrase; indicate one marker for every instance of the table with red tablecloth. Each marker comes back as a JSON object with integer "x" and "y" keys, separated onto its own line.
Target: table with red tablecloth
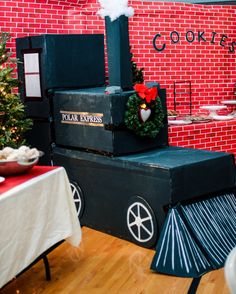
{"x": 36, "y": 211}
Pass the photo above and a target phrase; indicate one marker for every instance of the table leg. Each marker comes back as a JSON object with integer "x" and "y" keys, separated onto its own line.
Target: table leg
{"x": 47, "y": 268}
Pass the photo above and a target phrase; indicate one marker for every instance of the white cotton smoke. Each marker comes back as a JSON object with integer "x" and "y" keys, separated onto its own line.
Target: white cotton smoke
{"x": 115, "y": 8}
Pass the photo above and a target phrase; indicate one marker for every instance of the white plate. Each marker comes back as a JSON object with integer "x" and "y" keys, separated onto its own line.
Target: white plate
{"x": 179, "y": 122}
{"x": 2, "y": 179}
{"x": 232, "y": 102}
{"x": 213, "y": 107}
{"x": 172, "y": 116}
{"x": 222, "y": 117}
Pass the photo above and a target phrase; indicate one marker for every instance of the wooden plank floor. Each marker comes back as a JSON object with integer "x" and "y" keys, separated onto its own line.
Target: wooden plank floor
{"x": 105, "y": 264}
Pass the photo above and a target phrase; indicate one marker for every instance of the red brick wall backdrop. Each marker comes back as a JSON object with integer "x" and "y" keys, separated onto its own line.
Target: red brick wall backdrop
{"x": 208, "y": 65}
{"x": 215, "y": 136}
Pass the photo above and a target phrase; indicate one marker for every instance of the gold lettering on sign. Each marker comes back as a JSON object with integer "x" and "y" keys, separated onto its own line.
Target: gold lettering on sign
{"x": 82, "y": 118}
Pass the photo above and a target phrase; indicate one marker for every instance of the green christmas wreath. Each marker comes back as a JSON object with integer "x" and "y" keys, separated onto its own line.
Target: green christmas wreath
{"x": 144, "y": 115}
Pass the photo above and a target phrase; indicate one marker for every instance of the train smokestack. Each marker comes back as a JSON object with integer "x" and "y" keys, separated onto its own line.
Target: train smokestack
{"x": 116, "y": 13}
{"x": 118, "y": 52}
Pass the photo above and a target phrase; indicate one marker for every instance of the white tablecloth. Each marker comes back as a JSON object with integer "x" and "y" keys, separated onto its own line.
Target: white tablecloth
{"x": 34, "y": 216}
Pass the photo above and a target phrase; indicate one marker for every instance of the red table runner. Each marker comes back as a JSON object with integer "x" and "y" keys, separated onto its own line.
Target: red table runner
{"x": 11, "y": 182}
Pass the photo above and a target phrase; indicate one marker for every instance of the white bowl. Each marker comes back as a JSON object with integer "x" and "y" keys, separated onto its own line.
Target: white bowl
{"x": 15, "y": 167}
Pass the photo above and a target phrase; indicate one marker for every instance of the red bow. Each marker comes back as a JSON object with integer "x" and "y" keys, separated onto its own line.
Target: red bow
{"x": 146, "y": 93}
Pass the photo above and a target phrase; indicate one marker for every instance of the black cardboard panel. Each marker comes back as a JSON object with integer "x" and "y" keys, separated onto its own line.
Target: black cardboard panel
{"x": 111, "y": 137}
{"x": 40, "y": 137}
{"x": 161, "y": 177}
{"x": 66, "y": 61}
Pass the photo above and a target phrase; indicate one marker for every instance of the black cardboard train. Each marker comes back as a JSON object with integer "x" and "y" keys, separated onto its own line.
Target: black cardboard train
{"x": 122, "y": 184}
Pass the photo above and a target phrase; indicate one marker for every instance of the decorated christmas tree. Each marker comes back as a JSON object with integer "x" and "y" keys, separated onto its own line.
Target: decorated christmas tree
{"x": 13, "y": 123}
{"x": 137, "y": 72}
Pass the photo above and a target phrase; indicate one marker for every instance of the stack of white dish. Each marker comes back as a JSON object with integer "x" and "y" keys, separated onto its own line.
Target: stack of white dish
{"x": 213, "y": 109}
{"x": 231, "y": 103}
